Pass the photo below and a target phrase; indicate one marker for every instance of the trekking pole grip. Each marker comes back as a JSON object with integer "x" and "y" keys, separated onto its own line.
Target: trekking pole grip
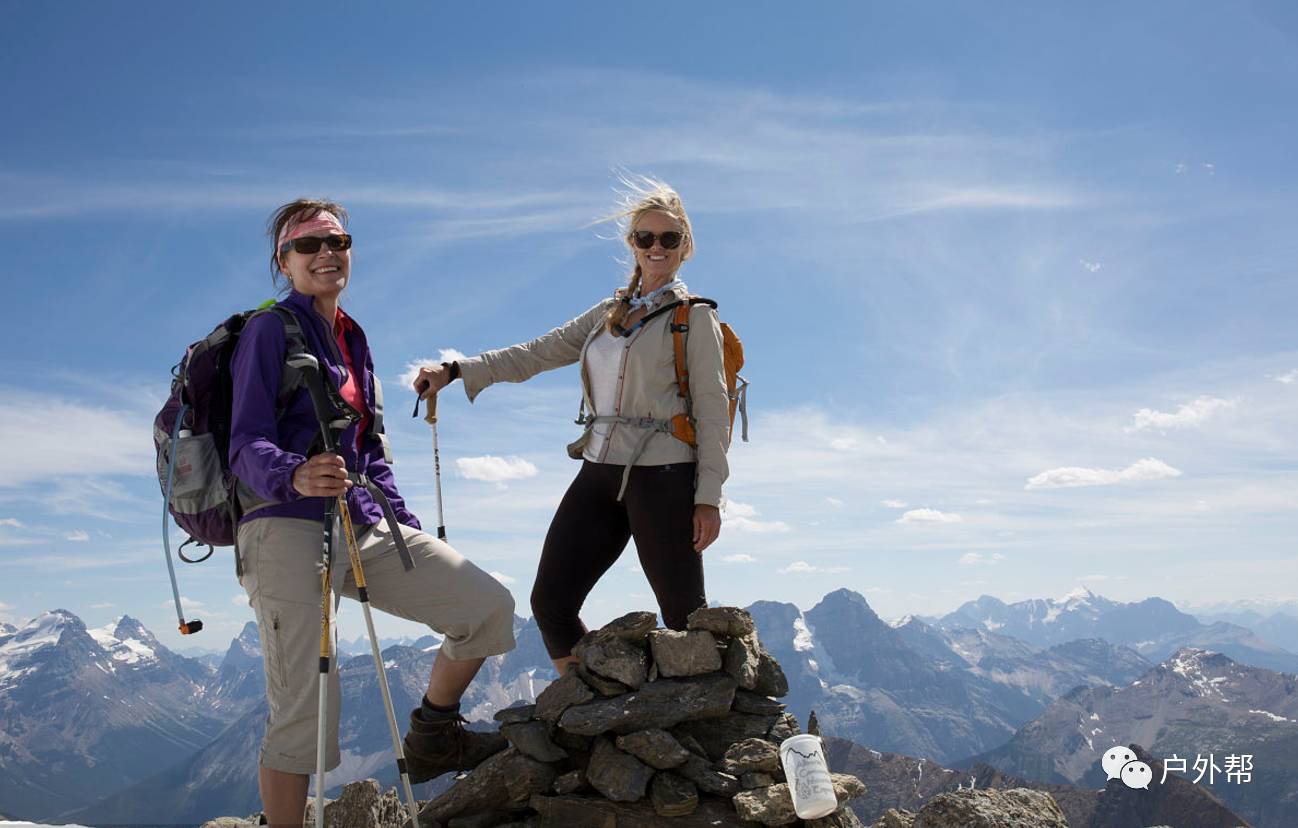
{"x": 431, "y": 416}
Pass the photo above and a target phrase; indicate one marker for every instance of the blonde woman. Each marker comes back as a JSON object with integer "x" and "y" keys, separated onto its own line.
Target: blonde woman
{"x": 637, "y": 480}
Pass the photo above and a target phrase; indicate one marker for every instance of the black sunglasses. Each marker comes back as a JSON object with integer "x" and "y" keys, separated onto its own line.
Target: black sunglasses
{"x": 311, "y": 244}
{"x": 670, "y": 240}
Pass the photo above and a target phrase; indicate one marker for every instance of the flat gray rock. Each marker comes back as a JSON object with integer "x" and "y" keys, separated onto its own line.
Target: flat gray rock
{"x": 505, "y": 781}
{"x": 731, "y": 622}
{"x": 673, "y": 796}
{"x": 746, "y": 701}
{"x": 533, "y": 739}
{"x": 616, "y": 658}
{"x": 518, "y": 713}
{"x": 707, "y": 778}
{"x": 560, "y": 695}
{"x": 656, "y": 748}
{"x": 661, "y": 704}
{"x": 750, "y": 756}
{"x": 632, "y": 627}
{"x": 617, "y": 775}
{"x": 678, "y": 653}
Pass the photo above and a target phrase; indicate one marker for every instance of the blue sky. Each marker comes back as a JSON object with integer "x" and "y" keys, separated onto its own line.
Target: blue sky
{"x": 978, "y": 257}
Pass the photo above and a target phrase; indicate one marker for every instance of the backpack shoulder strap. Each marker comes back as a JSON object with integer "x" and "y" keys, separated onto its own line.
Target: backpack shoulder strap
{"x": 680, "y": 333}
{"x": 294, "y": 343}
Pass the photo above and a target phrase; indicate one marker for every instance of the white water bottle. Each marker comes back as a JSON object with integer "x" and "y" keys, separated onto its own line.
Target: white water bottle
{"x": 810, "y": 785}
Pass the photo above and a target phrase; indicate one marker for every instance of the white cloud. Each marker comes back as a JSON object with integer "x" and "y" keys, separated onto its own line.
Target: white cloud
{"x": 739, "y": 559}
{"x": 1070, "y": 476}
{"x": 734, "y": 508}
{"x": 929, "y": 516}
{"x": 412, "y": 367}
{"x": 12, "y": 522}
{"x": 742, "y": 518}
{"x": 835, "y": 502}
{"x": 804, "y": 568}
{"x": 1211, "y": 168}
{"x": 492, "y": 469}
{"x": 1191, "y": 414}
{"x": 68, "y": 448}
{"x": 972, "y": 558}
{"x": 240, "y": 599}
{"x": 893, "y": 503}
{"x": 502, "y": 577}
{"x": 77, "y": 536}
{"x": 1091, "y": 266}
{"x": 1289, "y": 378}
{"x": 186, "y": 604}
{"x": 1181, "y": 168}
{"x": 105, "y": 605}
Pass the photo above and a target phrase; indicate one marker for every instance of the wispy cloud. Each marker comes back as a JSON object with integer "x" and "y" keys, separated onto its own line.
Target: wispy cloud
{"x": 929, "y": 516}
{"x": 240, "y": 599}
{"x": 974, "y": 558}
{"x": 1091, "y": 266}
{"x": 1288, "y": 378}
{"x": 186, "y": 603}
{"x": 837, "y": 503}
{"x": 804, "y": 568}
{"x": 1187, "y": 416}
{"x": 893, "y": 503}
{"x": 742, "y": 518}
{"x": 492, "y": 469}
{"x": 77, "y": 536}
{"x": 103, "y": 605}
{"x": 1147, "y": 469}
{"x": 739, "y": 559}
{"x": 77, "y": 440}
{"x": 13, "y": 523}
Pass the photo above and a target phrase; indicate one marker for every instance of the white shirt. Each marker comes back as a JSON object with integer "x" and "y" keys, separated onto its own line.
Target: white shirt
{"x": 603, "y": 364}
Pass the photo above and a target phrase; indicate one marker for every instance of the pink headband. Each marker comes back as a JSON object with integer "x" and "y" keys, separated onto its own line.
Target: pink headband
{"x": 320, "y": 222}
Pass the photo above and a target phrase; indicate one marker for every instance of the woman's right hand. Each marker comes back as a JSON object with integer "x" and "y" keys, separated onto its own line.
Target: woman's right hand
{"x": 431, "y": 379}
{"x": 324, "y": 475}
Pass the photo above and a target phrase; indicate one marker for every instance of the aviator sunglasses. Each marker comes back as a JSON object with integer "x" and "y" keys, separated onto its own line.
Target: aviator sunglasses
{"x": 311, "y": 244}
{"x": 670, "y": 240}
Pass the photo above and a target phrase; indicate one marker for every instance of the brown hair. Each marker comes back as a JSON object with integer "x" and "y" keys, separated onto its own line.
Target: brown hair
{"x": 639, "y": 195}
{"x": 304, "y": 209}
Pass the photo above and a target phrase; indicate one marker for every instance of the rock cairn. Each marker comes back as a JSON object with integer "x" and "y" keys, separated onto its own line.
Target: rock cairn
{"x": 653, "y": 727}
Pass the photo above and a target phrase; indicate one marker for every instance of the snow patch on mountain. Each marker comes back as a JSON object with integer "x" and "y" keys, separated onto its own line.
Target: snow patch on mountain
{"x": 1273, "y": 717}
{"x": 43, "y": 631}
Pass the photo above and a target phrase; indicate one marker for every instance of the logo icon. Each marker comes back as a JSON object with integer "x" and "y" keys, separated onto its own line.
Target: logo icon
{"x": 1120, "y": 763}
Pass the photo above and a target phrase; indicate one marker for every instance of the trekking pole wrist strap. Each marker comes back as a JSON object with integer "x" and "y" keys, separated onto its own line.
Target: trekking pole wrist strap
{"x": 389, "y": 516}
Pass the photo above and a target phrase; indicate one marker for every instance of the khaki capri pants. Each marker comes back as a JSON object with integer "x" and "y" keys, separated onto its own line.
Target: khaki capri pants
{"x": 468, "y": 607}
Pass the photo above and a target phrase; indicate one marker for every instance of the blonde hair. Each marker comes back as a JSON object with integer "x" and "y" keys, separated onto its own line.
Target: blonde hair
{"x": 637, "y": 195}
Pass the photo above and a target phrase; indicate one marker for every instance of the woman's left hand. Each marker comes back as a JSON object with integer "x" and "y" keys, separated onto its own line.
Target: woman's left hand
{"x": 707, "y": 525}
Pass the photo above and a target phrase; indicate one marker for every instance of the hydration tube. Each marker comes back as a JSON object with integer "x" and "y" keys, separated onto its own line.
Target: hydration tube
{"x": 176, "y": 432}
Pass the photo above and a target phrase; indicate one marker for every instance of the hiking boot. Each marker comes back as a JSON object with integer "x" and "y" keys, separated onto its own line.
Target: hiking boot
{"x": 433, "y": 748}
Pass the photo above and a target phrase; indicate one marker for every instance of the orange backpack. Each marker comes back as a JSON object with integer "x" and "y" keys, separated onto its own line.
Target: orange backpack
{"x": 732, "y": 350}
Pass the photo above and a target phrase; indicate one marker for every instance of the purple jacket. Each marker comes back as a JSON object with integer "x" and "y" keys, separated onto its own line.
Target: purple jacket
{"x": 264, "y": 451}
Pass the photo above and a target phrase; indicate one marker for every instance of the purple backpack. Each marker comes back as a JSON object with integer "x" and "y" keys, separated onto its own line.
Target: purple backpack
{"x": 191, "y": 435}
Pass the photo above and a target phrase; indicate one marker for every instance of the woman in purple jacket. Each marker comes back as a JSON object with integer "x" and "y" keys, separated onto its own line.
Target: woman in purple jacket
{"x": 284, "y": 488}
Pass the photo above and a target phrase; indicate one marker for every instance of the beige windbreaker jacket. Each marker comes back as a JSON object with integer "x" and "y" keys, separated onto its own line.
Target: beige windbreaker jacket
{"x": 646, "y": 387}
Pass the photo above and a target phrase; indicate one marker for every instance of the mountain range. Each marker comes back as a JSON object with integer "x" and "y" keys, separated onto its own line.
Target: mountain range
{"x": 143, "y": 731}
{"x": 1196, "y": 705}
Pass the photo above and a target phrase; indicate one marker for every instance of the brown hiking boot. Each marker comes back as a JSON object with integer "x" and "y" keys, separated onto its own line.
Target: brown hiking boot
{"x": 433, "y": 748}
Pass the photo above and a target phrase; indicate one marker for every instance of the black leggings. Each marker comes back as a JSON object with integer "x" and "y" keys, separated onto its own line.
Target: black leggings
{"x": 589, "y": 532}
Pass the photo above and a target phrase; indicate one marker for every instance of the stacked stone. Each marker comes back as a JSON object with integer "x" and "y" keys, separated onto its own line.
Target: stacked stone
{"x": 652, "y": 727}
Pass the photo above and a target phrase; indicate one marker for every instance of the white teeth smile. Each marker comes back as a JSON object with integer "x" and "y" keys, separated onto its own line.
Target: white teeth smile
{"x": 327, "y": 270}
{"x": 657, "y": 258}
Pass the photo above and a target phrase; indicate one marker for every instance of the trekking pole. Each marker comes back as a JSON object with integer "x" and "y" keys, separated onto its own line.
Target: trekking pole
{"x": 319, "y": 400}
{"x": 431, "y": 419}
